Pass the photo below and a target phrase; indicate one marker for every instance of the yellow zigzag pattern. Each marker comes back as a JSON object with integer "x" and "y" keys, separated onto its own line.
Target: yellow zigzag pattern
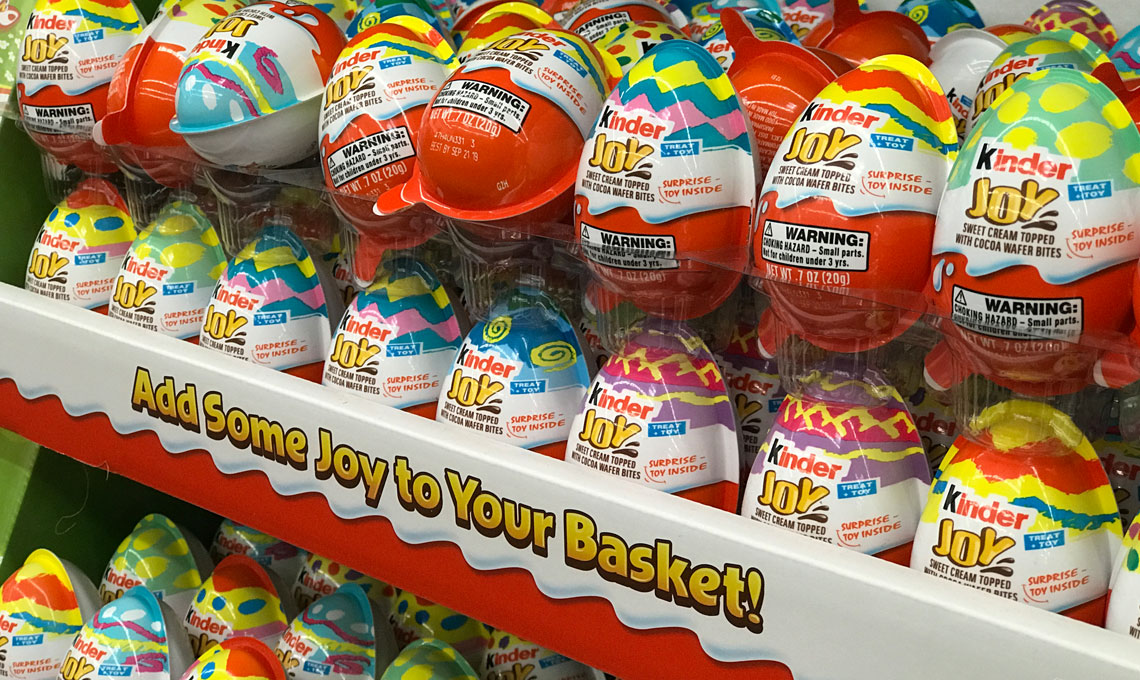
{"x": 897, "y": 426}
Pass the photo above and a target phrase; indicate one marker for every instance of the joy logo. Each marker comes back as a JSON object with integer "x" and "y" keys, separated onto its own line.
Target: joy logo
{"x": 345, "y": 85}
{"x": 809, "y": 148}
{"x": 132, "y": 295}
{"x": 48, "y": 266}
{"x": 76, "y": 667}
{"x": 224, "y": 325}
{"x": 235, "y": 25}
{"x": 39, "y": 50}
{"x": 354, "y": 355}
{"x": 530, "y": 47}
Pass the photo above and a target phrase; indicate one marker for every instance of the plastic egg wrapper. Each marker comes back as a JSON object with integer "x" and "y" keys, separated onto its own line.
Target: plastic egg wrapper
{"x": 239, "y": 599}
{"x": 339, "y": 636}
{"x": 416, "y": 620}
{"x": 160, "y": 556}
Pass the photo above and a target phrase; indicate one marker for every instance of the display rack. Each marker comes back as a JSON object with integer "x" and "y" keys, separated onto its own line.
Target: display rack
{"x": 72, "y": 380}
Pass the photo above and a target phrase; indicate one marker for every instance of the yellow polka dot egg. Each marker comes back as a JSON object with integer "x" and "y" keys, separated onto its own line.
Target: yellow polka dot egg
{"x": 158, "y": 554}
{"x": 429, "y": 659}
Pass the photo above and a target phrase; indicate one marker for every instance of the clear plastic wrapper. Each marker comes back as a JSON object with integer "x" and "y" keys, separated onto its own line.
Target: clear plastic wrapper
{"x": 416, "y": 620}
{"x": 159, "y": 555}
{"x": 239, "y": 599}
{"x": 340, "y": 636}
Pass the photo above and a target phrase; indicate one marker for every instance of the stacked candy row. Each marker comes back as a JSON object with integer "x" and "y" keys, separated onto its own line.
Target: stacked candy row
{"x": 161, "y": 607}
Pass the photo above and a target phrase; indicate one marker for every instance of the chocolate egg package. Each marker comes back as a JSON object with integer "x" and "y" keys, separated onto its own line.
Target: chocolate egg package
{"x": 1036, "y": 243}
{"x": 81, "y": 245}
{"x": 1022, "y": 509}
{"x": 43, "y": 605}
{"x": 284, "y": 560}
{"x": 847, "y": 213}
{"x": 162, "y": 557}
{"x": 339, "y": 636}
{"x": 239, "y": 599}
{"x": 658, "y": 414}
{"x": 398, "y": 339}
{"x": 69, "y": 54}
{"x": 519, "y": 376}
{"x": 370, "y": 119}
{"x": 237, "y": 658}
{"x": 502, "y": 136}
{"x": 667, "y": 176}
{"x": 166, "y": 280}
{"x": 509, "y": 657}
{"x": 844, "y": 462}
{"x": 321, "y": 576}
{"x": 416, "y": 620}
{"x": 135, "y": 636}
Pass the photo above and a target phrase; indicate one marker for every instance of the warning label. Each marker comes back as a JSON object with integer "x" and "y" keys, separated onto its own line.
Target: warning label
{"x": 629, "y": 251}
{"x": 1018, "y": 318}
{"x": 597, "y": 27}
{"x": 801, "y": 245}
{"x": 59, "y": 120}
{"x": 369, "y": 153}
{"x": 489, "y": 101}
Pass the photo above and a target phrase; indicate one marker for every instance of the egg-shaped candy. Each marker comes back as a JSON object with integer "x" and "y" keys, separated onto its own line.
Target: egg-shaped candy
{"x": 140, "y": 99}
{"x": 519, "y": 376}
{"x": 939, "y": 18}
{"x": 592, "y": 19}
{"x": 160, "y": 556}
{"x": 167, "y": 278}
{"x": 43, "y": 604}
{"x": 628, "y": 42}
{"x": 416, "y": 619}
{"x": 238, "y": 658}
{"x": 858, "y": 35}
{"x": 247, "y": 94}
{"x": 753, "y": 382}
{"x": 397, "y": 340}
{"x": 503, "y": 135}
{"x": 658, "y": 185}
{"x": 321, "y": 576}
{"x": 81, "y": 245}
{"x": 1081, "y": 16}
{"x": 340, "y": 637}
{"x": 507, "y": 654}
{"x": 434, "y": 657}
{"x": 1036, "y": 243}
{"x": 959, "y": 61}
{"x": 239, "y": 599}
{"x": 370, "y": 120}
{"x": 775, "y": 80}
{"x": 135, "y": 636}
{"x": 842, "y": 464}
{"x": 765, "y": 25}
{"x": 69, "y": 54}
{"x": 283, "y": 559}
{"x": 1022, "y": 509}
{"x": 658, "y": 414}
{"x": 1060, "y": 48}
{"x": 849, "y": 205}
{"x": 502, "y": 21}
{"x": 270, "y": 305}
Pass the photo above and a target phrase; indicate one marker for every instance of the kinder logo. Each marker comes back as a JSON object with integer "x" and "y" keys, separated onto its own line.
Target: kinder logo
{"x": 1004, "y": 158}
{"x": 146, "y": 270}
{"x": 206, "y": 624}
{"x": 237, "y": 298}
{"x": 1026, "y": 64}
{"x": 851, "y": 115}
{"x": 89, "y": 649}
{"x": 232, "y": 546}
{"x": 297, "y": 643}
{"x": 49, "y": 21}
{"x": 503, "y": 658}
{"x": 641, "y": 124}
{"x": 744, "y": 383}
{"x": 317, "y": 585}
{"x": 477, "y": 392}
{"x": 121, "y": 580}
{"x": 959, "y": 502}
{"x": 490, "y": 364}
{"x": 1120, "y": 469}
{"x": 782, "y": 455}
{"x": 59, "y": 241}
{"x": 625, "y": 404}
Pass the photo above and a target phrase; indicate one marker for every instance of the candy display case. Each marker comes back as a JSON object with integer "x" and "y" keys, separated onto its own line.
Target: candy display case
{"x": 823, "y": 321}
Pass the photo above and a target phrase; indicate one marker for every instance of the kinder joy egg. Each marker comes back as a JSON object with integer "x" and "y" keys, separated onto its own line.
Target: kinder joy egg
{"x": 136, "y": 636}
{"x": 250, "y": 91}
{"x": 659, "y": 185}
{"x": 140, "y": 99}
{"x": 1053, "y": 49}
{"x": 160, "y": 556}
{"x": 939, "y": 18}
{"x": 1078, "y": 15}
{"x": 850, "y": 203}
{"x": 519, "y": 376}
{"x": 167, "y": 277}
{"x": 238, "y": 600}
{"x": 435, "y": 657}
{"x": 1021, "y": 504}
{"x": 336, "y": 637}
{"x": 1030, "y": 256}
{"x": 416, "y": 618}
{"x": 858, "y": 36}
{"x": 508, "y": 655}
{"x": 661, "y": 398}
{"x": 321, "y": 576}
{"x": 502, "y": 21}
{"x": 238, "y": 658}
{"x": 81, "y": 245}
{"x": 502, "y": 136}
{"x": 765, "y": 25}
{"x": 43, "y": 604}
{"x": 753, "y": 382}
{"x": 842, "y": 464}
{"x": 269, "y": 306}
{"x": 279, "y": 557}
{"x": 592, "y": 19}
{"x": 775, "y": 82}
{"x": 628, "y": 42}
{"x": 1125, "y": 55}
{"x": 70, "y": 52}
{"x": 396, "y": 343}
{"x": 370, "y": 118}
{"x": 959, "y": 61}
